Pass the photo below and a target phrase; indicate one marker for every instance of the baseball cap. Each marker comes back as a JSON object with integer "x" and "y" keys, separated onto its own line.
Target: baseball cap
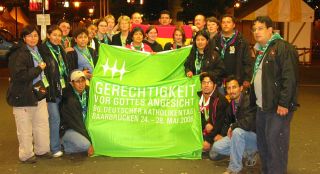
{"x": 76, "y": 75}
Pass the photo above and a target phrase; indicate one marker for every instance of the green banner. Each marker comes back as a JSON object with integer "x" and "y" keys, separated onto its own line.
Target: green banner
{"x": 142, "y": 105}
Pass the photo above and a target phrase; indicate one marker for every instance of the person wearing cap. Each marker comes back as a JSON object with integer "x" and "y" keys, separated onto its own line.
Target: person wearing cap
{"x": 75, "y": 138}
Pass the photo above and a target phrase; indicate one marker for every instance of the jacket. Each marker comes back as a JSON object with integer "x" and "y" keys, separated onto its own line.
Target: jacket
{"x": 71, "y": 112}
{"x": 243, "y": 62}
{"x": 156, "y": 47}
{"x": 22, "y": 72}
{"x": 116, "y": 39}
{"x": 280, "y": 77}
{"x": 211, "y": 63}
{"x": 245, "y": 116}
{"x": 52, "y": 72}
{"x": 215, "y": 118}
{"x": 72, "y": 58}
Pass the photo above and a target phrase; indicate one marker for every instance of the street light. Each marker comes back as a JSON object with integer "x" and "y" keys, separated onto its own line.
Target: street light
{"x": 1, "y": 8}
{"x": 91, "y": 11}
{"x": 76, "y": 4}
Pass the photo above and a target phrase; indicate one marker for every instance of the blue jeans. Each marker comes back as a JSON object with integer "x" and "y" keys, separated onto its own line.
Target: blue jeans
{"x": 273, "y": 136}
{"x": 74, "y": 142}
{"x": 241, "y": 142}
{"x": 54, "y": 124}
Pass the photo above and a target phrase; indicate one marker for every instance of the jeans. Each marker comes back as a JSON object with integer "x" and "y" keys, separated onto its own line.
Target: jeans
{"x": 241, "y": 142}
{"x": 273, "y": 133}
{"x": 74, "y": 142}
{"x": 54, "y": 124}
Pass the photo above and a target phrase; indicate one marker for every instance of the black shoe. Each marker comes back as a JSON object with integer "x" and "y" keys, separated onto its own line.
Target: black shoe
{"x": 47, "y": 155}
{"x": 30, "y": 160}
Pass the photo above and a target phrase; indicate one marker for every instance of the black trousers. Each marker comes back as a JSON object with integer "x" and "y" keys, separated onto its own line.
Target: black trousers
{"x": 273, "y": 135}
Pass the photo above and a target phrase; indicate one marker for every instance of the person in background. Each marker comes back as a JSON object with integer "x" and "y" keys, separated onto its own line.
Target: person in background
{"x": 179, "y": 39}
{"x": 26, "y": 68}
{"x": 136, "y": 18}
{"x": 203, "y": 59}
{"x": 122, "y": 38}
{"x": 102, "y": 31}
{"x": 74, "y": 107}
{"x": 165, "y": 18}
{"x": 93, "y": 41}
{"x": 66, "y": 41}
{"x": 83, "y": 57}
{"x": 199, "y": 23}
{"x": 212, "y": 26}
{"x": 111, "y": 25}
{"x": 57, "y": 73}
{"x": 137, "y": 38}
{"x": 151, "y": 37}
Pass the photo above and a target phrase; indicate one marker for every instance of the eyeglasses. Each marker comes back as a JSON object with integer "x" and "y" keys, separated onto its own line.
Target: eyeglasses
{"x": 207, "y": 82}
{"x": 257, "y": 29}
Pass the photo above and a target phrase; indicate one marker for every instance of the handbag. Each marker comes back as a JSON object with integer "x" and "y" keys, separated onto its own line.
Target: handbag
{"x": 39, "y": 90}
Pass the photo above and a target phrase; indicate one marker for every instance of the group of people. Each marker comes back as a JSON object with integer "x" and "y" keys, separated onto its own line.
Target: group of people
{"x": 246, "y": 106}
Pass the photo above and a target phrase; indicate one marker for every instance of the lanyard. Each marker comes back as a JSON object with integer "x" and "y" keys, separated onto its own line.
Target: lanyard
{"x": 59, "y": 60}
{"x": 83, "y": 102}
{"x": 198, "y": 62}
{"x": 86, "y": 54}
{"x": 234, "y": 108}
{"x": 227, "y": 42}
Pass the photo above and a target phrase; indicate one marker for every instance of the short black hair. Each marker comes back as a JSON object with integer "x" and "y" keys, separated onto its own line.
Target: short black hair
{"x": 137, "y": 29}
{"x": 53, "y": 28}
{"x": 228, "y": 16}
{"x": 79, "y": 31}
{"x": 211, "y": 77}
{"x": 233, "y": 77}
{"x": 28, "y": 30}
{"x": 63, "y": 21}
{"x": 164, "y": 12}
{"x": 265, "y": 20}
{"x": 203, "y": 33}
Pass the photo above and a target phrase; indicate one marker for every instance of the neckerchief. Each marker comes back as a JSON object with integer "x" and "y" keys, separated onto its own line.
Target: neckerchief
{"x": 227, "y": 42}
{"x": 198, "y": 62}
{"x": 37, "y": 57}
{"x": 204, "y": 105}
{"x": 105, "y": 39}
{"x": 141, "y": 48}
{"x": 83, "y": 102}
{"x": 261, "y": 52}
{"x": 86, "y": 54}
{"x": 59, "y": 59}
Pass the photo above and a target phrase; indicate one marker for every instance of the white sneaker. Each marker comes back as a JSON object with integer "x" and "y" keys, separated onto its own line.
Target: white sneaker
{"x": 57, "y": 154}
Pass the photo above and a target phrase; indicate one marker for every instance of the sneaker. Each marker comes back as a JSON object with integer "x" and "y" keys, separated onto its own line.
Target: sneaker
{"x": 57, "y": 154}
{"x": 251, "y": 160}
{"x": 30, "y": 160}
{"x": 47, "y": 155}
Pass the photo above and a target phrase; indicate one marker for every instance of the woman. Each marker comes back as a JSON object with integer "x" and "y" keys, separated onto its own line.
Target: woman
{"x": 102, "y": 31}
{"x": 31, "y": 114}
{"x": 212, "y": 26}
{"x": 83, "y": 57}
{"x": 93, "y": 41}
{"x": 111, "y": 22}
{"x": 137, "y": 38}
{"x": 66, "y": 41}
{"x": 122, "y": 38}
{"x": 151, "y": 37}
{"x": 179, "y": 39}
{"x": 202, "y": 59}
{"x": 57, "y": 73}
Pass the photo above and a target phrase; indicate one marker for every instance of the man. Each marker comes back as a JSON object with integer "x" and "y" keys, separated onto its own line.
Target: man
{"x": 199, "y": 23}
{"x": 240, "y": 127}
{"x": 234, "y": 50}
{"x": 74, "y": 112}
{"x": 212, "y": 106}
{"x": 275, "y": 80}
{"x": 136, "y": 18}
{"x": 165, "y": 18}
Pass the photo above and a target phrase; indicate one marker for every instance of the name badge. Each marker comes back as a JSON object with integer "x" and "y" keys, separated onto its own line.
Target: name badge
{"x": 63, "y": 83}
{"x": 232, "y": 50}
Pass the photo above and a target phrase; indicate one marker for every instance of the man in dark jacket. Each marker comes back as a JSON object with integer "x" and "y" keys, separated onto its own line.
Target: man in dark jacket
{"x": 73, "y": 112}
{"x": 234, "y": 50}
{"x": 213, "y": 108}
{"x": 240, "y": 127}
{"x": 275, "y": 80}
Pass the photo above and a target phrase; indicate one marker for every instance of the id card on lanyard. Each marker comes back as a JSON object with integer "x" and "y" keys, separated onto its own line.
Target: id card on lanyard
{"x": 38, "y": 58}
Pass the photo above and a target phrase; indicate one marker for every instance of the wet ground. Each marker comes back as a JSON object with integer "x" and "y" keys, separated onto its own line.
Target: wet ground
{"x": 304, "y": 154}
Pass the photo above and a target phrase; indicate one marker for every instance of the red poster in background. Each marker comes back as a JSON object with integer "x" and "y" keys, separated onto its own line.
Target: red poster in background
{"x": 36, "y": 5}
